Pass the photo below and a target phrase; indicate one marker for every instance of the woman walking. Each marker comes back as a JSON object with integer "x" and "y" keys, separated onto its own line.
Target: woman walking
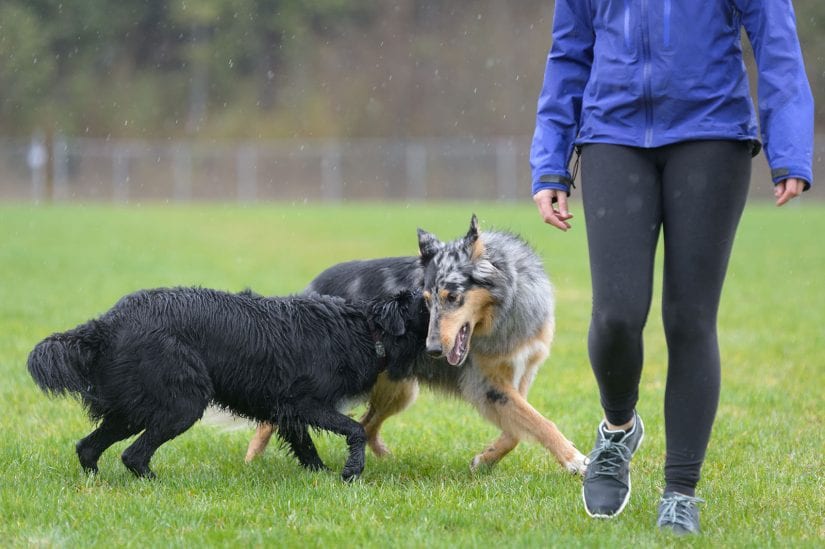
{"x": 655, "y": 97}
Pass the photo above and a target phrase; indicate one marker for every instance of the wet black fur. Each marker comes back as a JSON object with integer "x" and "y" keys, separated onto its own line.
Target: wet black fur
{"x": 381, "y": 277}
{"x": 159, "y": 357}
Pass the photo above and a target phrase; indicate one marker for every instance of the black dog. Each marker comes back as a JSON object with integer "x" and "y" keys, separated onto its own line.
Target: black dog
{"x": 159, "y": 357}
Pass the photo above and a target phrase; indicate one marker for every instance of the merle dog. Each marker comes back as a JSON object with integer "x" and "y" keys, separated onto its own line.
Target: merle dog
{"x": 157, "y": 359}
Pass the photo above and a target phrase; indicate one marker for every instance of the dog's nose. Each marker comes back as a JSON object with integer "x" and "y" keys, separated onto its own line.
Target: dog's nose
{"x": 434, "y": 350}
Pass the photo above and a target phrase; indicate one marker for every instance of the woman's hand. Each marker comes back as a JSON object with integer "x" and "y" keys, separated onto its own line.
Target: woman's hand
{"x": 552, "y": 206}
{"x": 786, "y": 190}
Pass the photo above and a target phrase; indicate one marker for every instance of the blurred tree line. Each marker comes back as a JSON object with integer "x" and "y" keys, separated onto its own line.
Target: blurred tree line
{"x": 282, "y": 68}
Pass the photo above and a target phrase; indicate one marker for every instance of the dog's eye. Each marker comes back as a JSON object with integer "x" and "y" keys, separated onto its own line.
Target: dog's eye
{"x": 451, "y": 298}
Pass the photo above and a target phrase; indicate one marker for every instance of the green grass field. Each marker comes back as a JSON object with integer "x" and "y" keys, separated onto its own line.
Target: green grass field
{"x": 61, "y": 265}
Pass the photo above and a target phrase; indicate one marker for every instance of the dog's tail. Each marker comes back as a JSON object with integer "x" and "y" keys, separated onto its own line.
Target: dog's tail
{"x": 63, "y": 362}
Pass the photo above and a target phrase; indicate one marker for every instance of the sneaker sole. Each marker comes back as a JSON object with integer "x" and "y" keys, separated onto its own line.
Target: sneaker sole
{"x": 629, "y": 484}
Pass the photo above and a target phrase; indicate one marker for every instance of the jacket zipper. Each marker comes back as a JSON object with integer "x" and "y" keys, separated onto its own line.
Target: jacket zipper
{"x": 646, "y": 76}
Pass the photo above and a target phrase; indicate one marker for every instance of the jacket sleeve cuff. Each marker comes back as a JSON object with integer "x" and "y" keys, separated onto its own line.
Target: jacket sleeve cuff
{"x": 781, "y": 174}
{"x": 553, "y": 181}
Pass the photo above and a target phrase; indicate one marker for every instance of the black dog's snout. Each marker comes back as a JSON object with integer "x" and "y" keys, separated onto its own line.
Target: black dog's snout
{"x": 434, "y": 351}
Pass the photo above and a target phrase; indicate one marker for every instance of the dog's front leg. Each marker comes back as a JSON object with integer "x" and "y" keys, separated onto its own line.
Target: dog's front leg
{"x": 505, "y": 443}
{"x": 331, "y": 420}
{"x": 491, "y": 455}
{"x": 498, "y": 401}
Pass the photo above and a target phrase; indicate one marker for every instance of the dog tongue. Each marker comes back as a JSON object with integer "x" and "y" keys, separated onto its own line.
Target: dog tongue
{"x": 459, "y": 346}
{"x": 455, "y": 356}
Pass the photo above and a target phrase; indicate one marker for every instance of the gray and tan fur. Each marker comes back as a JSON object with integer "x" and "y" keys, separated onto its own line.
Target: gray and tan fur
{"x": 491, "y": 326}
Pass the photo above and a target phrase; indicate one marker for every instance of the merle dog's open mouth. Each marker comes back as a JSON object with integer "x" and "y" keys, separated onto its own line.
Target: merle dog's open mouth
{"x": 459, "y": 350}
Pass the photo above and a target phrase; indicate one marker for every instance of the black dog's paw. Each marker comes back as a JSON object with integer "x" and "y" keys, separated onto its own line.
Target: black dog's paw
{"x": 140, "y": 470}
{"x": 87, "y": 458}
{"x": 90, "y": 470}
{"x": 351, "y": 473}
{"x": 145, "y": 473}
{"x": 317, "y": 466}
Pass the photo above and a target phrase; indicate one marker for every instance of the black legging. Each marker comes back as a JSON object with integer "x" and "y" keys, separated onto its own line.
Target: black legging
{"x": 695, "y": 191}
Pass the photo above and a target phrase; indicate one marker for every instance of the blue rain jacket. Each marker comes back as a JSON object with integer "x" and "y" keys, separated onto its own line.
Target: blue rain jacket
{"x": 648, "y": 73}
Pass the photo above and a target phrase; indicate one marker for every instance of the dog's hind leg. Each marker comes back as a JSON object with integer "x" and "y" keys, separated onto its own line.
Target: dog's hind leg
{"x": 338, "y": 423}
{"x": 137, "y": 456}
{"x": 112, "y": 429}
{"x": 386, "y": 399}
{"x": 299, "y": 441}
{"x": 259, "y": 440}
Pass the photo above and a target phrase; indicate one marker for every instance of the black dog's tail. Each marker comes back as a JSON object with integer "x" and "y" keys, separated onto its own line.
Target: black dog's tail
{"x": 62, "y": 362}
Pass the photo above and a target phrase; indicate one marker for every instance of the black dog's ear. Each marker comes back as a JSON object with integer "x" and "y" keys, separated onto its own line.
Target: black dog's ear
{"x": 428, "y": 245}
{"x": 391, "y": 315}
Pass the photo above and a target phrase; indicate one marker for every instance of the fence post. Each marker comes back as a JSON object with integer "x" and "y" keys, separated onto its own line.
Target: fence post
{"x": 247, "y": 173}
{"x": 416, "y": 165}
{"x": 332, "y": 184}
{"x": 60, "y": 166}
{"x": 506, "y": 169}
{"x": 120, "y": 174}
{"x": 36, "y": 158}
{"x": 183, "y": 172}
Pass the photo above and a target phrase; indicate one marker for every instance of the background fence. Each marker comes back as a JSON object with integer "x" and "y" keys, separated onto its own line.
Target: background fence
{"x": 86, "y": 170}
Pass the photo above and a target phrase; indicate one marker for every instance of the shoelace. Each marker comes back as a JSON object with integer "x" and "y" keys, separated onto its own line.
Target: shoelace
{"x": 676, "y": 510}
{"x": 609, "y": 456}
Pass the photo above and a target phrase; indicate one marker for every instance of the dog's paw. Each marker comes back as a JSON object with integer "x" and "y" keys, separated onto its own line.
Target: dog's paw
{"x": 145, "y": 474}
{"x": 91, "y": 471}
{"x": 577, "y": 465}
{"x": 138, "y": 468}
{"x": 481, "y": 463}
{"x": 378, "y": 447}
{"x": 351, "y": 474}
{"x": 87, "y": 457}
{"x": 316, "y": 466}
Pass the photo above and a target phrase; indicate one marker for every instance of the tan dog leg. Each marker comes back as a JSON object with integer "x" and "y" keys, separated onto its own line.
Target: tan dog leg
{"x": 491, "y": 455}
{"x": 259, "y": 441}
{"x": 510, "y": 411}
{"x": 506, "y": 443}
{"x": 518, "y": 418}
{"x": 387, "y": 399}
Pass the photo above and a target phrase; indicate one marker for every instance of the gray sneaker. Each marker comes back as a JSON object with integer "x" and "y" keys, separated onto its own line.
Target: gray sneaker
{"x": 679, "y": 513}
{"x": 606, "y": 488}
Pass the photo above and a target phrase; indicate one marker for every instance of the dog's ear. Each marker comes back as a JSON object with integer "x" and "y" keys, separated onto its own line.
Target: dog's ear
{"x": 472, "y": 235}
{"x": 428, "y": 245}
{"x": 472, "y": 243}
{"x": 391, "y": 315}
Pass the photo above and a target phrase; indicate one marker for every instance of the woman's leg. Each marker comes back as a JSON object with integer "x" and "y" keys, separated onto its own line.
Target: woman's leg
{"x": 705, "y": 184}
{"x": 621, "y": 190}
{"x": 621, "y": 193}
